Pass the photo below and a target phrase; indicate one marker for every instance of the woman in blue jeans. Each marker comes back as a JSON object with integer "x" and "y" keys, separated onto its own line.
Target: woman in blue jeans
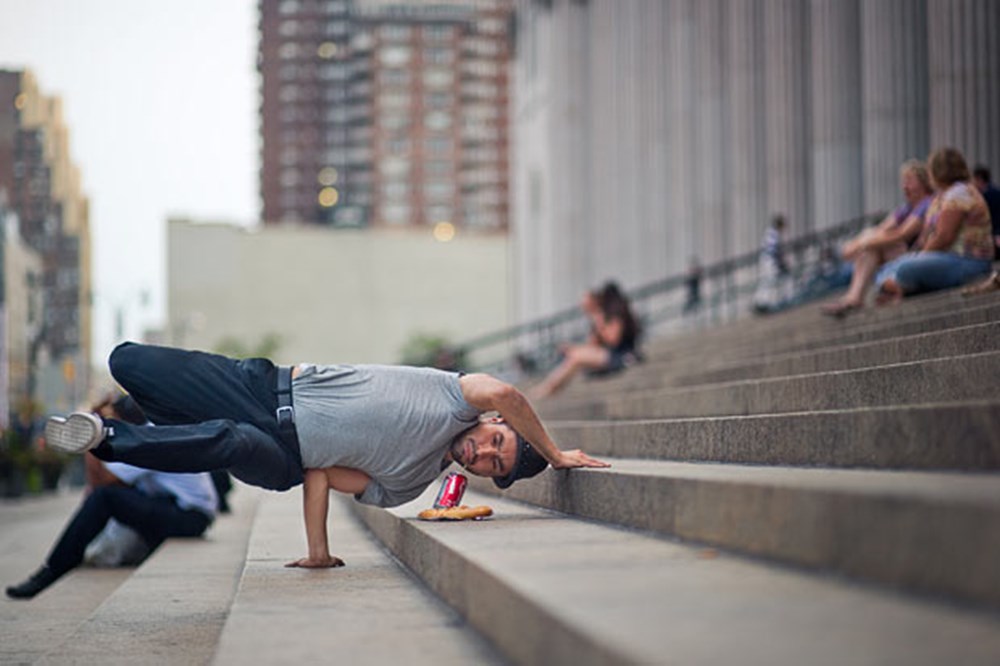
{"x": 957, "y": 242}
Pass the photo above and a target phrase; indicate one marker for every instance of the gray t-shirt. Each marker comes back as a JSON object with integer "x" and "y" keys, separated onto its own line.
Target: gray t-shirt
{"x": 393, "y": 423}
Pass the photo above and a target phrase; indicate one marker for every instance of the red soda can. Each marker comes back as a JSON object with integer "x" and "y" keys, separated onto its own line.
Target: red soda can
{"x": 451, "y": 491}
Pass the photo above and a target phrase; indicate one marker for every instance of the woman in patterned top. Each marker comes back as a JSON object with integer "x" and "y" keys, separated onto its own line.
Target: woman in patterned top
{"x": 957, "y": 245}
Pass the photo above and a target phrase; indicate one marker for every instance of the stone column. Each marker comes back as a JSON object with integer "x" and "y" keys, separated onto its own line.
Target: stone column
{"x": 836, "y": 112}
{"x": 711, "y": 166}
{"x": 572, "y": 223}
{"x": 964, "y": 62}
{"x": 787, "y": 119}
{"x": 532, "y": 226}
{"x": 680, "y": 113}
{"x": 746, "y": 120}
{"x": 654, "y": 220}
{"x": 894, "y": 95}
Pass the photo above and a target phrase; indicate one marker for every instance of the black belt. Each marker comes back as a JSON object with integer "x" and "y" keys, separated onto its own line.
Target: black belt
{"x": 285, "y": 412}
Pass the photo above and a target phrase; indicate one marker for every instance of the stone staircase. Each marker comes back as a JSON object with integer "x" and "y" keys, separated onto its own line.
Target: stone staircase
{"x": 787, "y": 490}
{"x": 784, "y": 490}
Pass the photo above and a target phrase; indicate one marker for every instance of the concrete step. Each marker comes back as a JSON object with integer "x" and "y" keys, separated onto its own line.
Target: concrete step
{"x": 959, "y": 436}
{"x": 368, "y": 612}
{"x": 172, "y": 609}
{"x": 959, "y": 378}
{"x": 930, "y": 532}
{"x": 733, "y": 343}
{"x": 720, "y": 363}
{"x": 808, "y": 322}
{"x": 546, "y": 588}
{"x": 903, "y": 349}
{"x": 938, "y": 344}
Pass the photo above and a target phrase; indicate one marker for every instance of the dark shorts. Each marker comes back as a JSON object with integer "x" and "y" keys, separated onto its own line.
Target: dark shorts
{"x": 618, "y": 360}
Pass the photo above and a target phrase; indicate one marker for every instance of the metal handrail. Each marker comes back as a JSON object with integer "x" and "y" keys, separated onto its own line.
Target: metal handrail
{"x": 659, "y": 304}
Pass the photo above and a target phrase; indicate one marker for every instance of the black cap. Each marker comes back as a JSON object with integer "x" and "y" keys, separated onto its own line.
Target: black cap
{"x": 527, "y": 464}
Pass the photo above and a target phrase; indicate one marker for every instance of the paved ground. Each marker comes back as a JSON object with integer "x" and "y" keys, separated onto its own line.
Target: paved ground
{"x": 29, "y": 629}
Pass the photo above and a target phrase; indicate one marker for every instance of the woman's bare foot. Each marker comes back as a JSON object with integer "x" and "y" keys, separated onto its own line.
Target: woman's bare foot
{"x": 840, "y": 309}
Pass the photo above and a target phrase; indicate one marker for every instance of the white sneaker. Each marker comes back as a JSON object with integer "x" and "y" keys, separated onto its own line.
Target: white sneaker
{"x": 77, "y": 433}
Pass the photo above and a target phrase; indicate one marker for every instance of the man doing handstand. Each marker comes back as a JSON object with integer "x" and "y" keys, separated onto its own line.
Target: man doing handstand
{"x": 381, "y": 433}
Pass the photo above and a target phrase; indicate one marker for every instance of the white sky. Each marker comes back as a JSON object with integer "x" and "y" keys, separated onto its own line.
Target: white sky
{"x": 161, "y": 103}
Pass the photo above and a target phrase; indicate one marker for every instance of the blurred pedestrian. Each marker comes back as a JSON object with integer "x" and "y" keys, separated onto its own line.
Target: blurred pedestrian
{"x": 157, "y": 505}
{"x": 611, "y": 346}
{"x": 957, "y": 244}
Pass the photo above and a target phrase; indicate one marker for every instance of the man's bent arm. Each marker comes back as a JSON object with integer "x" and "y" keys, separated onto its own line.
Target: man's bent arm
{"x": 488, "y": 393}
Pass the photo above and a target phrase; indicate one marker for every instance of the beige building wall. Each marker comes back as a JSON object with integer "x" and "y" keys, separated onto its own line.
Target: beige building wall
{"x": 331, "y": 295}
{"x": 22, "y": 269}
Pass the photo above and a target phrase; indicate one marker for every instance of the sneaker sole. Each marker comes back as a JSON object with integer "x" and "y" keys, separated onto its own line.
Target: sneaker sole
{"x": 76, "y": 433}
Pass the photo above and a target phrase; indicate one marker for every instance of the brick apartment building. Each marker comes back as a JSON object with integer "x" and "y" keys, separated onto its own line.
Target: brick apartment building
{"x": 40, "y": 186}
{"x": 385, "y": 114}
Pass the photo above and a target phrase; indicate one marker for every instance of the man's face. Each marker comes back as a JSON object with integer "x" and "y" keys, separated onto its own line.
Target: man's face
{"x": 488, "y": 449}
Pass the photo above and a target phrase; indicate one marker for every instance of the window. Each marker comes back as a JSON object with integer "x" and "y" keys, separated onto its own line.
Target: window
{"x": 394, "y": 166}
{"x": 289, "y": 7}
{"x": 399, "y": 146}
{"x": 336, "y": 114}
{"x": 438, "y": 78}
{"x": 485, "y": 47}
{"x": 396, "y": 189}
{"x": 396, "y": 214}
{"x": 395, "y": 77}
{"x": 288, "y": 28}
{"x": 482, "y": 67}
{"x": 437, "y": 168}
{"x": 336, "y": 29}
{"x": 395, "y": 33}
{"x": 438, "y": 213}
{"x": 334, "y": 72}
{"x": 394, "y": 56}
{"x": 394, "y": 121}
{"x": 438, "y": 100}
{"x": 288, "y": 51}
{"x": 334, "y": 94}
{"x": 438, "y": 56}
{"x": 437, "y": 121}
{"x": 438, "y": 145}
{"x": 438, "y": 33}
{"x": 437, "y": 190}
{"x": 326, "y": 50}
{"x": 394, "y": 100}
{"x": 492, "y": 26}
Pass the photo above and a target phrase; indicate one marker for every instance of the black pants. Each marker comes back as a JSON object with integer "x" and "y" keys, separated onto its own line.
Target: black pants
{"x": 154, "y": 518}
{"x": 210, "y": 412}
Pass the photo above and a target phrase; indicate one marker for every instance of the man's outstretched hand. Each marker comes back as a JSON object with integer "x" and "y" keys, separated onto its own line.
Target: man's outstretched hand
{"x": 328, "y": 562}
{"x": 577, "y": 458}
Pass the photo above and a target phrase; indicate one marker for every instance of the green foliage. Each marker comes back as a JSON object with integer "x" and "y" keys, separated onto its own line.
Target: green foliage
{"x": 27, "y": 467}
{"x": 233, "y": 347}
{"x": 432, "y": 350}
